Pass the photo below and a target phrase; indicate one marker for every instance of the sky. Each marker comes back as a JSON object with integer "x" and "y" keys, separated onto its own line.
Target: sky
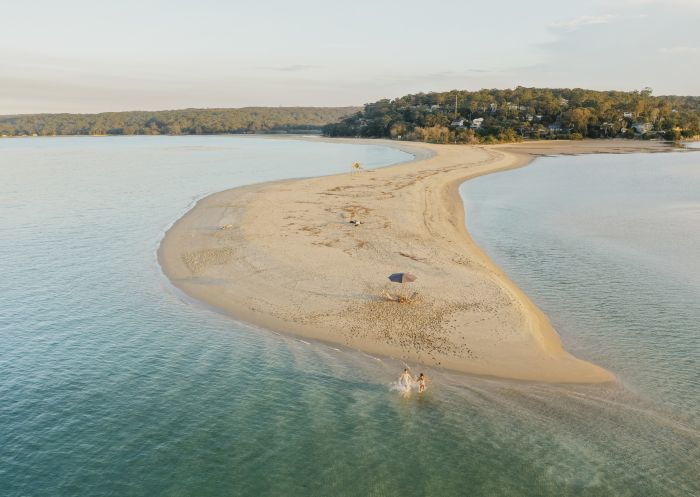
{"x": 96, "y": 56}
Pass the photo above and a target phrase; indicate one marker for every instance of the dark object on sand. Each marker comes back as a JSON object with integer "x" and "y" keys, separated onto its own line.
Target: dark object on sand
{"x": 402, "y": 277}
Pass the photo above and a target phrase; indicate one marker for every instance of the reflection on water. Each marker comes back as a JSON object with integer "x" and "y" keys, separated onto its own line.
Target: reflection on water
{"x": 113, "y": 385}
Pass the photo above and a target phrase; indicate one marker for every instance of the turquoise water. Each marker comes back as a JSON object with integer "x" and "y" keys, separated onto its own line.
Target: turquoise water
{"x": 112, "y": 384}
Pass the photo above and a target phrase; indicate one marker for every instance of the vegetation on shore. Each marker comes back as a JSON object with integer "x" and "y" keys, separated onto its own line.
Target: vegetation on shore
{"x": 492, "y": 116}
{"x": 175, "y": 122}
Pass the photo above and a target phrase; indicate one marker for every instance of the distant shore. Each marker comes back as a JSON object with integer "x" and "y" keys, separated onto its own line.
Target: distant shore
{"x": 284, "y": 255}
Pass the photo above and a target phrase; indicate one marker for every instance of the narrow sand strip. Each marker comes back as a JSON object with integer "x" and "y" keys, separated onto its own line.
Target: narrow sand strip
{"x": 284, "y": 255}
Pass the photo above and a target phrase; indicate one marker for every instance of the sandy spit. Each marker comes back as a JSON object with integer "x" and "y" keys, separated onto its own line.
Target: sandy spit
{"x": 284, "y": 255}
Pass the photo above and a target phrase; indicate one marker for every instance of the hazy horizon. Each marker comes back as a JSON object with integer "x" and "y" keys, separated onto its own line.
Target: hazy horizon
{"x": 83, "y": 57}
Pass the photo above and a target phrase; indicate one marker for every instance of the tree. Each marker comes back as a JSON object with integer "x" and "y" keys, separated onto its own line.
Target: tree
{"x": 579, "y": 119}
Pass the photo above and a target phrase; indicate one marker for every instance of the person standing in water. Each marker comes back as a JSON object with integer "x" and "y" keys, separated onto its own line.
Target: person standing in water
{"x": 406, "y": 379}
{"x": 422, "y": 383}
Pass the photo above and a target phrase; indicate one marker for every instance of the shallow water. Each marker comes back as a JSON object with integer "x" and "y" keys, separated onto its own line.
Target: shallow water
{"x": 609, "y": 247}
{"x": 111, "y": 384}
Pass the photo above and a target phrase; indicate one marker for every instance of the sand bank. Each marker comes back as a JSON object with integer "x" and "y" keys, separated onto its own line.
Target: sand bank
{"x": 285, "y": 256}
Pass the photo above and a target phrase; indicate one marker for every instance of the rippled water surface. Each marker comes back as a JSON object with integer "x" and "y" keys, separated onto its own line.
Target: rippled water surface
{"x": 111, "y": 384}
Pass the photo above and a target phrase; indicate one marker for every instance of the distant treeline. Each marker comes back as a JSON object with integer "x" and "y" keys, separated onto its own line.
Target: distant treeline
{"x": 492, "y": 116}
{"x": 175, "y": 122}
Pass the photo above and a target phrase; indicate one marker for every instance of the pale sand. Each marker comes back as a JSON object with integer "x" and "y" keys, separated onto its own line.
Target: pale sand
{"x": 283, "y": 255}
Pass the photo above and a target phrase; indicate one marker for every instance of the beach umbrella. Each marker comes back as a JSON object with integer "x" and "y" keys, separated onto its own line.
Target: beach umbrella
{"x": 402, "y": 277}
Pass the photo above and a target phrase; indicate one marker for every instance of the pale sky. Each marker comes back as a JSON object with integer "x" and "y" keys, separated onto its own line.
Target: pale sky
{"x": 93, "y": 56}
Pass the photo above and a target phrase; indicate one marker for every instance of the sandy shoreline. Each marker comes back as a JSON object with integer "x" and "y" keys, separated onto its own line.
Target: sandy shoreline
{"x": 284, "y": 255}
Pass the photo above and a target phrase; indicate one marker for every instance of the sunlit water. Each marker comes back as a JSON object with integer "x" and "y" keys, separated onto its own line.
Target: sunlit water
{"x": 112, "y": 384}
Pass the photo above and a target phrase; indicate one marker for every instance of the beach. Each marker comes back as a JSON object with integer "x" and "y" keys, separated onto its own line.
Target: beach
{"x": 285, "y": 256}
{"x": 105, "y": 358}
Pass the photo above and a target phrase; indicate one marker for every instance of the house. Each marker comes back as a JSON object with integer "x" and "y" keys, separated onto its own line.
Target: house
{"x": 458, "y": 123}
{"x": 493, "y": 107}
{"x": 563, "y": 102}
{"x": 476, "y": 123}
{"x": 642, "y": 128}
{"x": 628, "y": 115}
{"x": 555, "y": 128}
{"x": 434, "y": 107}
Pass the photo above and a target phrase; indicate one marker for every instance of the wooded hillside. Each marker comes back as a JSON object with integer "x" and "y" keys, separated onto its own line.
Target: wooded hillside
{"x": 175, "y": 122}
{"x": 488, "y": 116}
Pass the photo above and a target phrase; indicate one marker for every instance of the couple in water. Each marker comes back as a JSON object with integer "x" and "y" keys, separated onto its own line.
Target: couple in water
{"x": 407, "y": 380}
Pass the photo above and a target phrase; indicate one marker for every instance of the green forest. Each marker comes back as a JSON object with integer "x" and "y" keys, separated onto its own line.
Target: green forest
{"x": 176, "y": 122}
{"x": 493, "y": 116}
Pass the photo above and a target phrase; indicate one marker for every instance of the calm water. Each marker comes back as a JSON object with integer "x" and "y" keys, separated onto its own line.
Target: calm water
{"x": 110, "y": 384}
{"x": 609, "y": 247}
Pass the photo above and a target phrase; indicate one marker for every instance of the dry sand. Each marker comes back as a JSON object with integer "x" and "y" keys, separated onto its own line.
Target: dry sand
{"x": 285, "y": 256}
